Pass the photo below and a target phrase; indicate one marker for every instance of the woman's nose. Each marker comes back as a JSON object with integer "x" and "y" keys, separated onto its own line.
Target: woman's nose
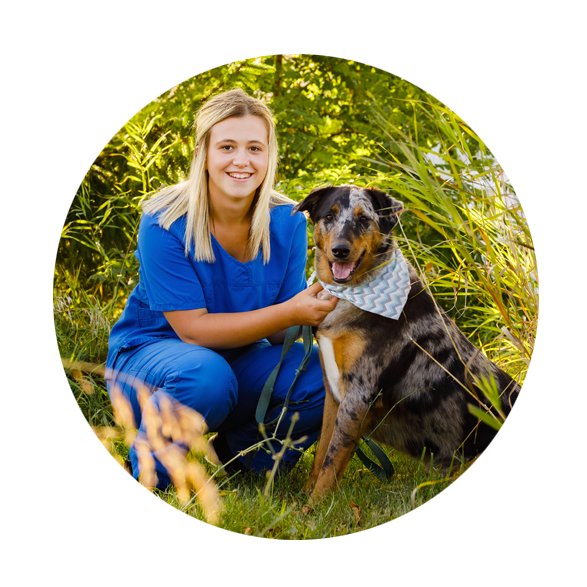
{"x": 241, "y": 157}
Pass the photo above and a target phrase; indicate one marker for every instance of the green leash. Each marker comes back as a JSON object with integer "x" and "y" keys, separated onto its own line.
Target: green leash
{"x": 383, "y": 472}
{"x": 290, "y": 338}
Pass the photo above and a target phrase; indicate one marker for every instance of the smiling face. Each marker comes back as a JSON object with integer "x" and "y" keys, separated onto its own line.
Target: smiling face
{"x": 351, "y": 231}
{"x": 347, "y": 233}
{"x": 237, "y": 158}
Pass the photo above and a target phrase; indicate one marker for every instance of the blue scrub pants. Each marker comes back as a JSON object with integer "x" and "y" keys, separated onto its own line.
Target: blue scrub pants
{"x": 224, "y": 387}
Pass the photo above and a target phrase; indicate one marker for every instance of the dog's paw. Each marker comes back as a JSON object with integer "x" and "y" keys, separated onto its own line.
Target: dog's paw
{"x": 309, "y": 486}
{"x": 324, "y": 295}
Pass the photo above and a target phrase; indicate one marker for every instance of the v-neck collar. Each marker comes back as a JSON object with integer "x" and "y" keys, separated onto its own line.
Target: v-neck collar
{"x": 229, "y": 256}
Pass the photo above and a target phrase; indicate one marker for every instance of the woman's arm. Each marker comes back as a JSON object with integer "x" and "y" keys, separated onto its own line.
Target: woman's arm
{"x": 225, "y": 331}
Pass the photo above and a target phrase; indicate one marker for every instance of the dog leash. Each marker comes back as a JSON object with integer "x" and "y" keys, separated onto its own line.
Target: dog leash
{"x": 384, "y": 470}
{"x": 290, "y": 338}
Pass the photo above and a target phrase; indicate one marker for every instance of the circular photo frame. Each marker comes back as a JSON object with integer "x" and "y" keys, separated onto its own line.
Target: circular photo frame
{"x": 346, "y": 132}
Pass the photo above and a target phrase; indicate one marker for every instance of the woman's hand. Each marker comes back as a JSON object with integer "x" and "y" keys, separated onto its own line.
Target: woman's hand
{"x": 307, "y": 309}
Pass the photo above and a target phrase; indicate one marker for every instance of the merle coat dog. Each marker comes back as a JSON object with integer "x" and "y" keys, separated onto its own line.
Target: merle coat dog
{"x": 407, "y": 383}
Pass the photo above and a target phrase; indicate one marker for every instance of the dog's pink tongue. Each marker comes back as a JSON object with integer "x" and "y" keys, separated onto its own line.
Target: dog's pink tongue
{"x": 342, "y": 270}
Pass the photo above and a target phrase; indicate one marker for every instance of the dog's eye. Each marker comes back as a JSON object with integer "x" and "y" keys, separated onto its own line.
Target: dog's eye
{"x": 363, "y": 219}
{"x": 329, "y": 217}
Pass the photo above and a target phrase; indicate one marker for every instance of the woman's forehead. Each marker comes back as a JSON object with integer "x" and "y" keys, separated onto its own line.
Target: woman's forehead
{"x": 247, "y": 128}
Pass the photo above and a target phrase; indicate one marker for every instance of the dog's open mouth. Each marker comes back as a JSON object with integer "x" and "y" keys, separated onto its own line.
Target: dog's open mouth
{"x": 343, "y": 272}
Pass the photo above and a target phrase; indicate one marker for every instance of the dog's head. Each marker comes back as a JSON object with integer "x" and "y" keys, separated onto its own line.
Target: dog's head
{"x": 352, "y": 229}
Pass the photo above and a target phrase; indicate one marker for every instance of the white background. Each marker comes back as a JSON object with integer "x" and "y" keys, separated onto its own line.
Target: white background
{"x": 74, "y": 73}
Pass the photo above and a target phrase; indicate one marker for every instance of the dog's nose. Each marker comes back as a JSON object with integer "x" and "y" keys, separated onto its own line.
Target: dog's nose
{"x": 341, "y": 250}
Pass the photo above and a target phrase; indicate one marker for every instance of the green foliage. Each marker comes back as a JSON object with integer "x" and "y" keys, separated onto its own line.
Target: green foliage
{"x": 323, "y": 112}
{"x": 496, "y": 417}
{"x": 465, "y": 232}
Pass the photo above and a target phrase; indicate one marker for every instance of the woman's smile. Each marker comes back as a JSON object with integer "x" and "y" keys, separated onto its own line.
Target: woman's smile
{"x": 239, "y": 175}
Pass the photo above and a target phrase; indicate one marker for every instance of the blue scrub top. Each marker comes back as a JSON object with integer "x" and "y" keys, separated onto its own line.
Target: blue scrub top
{"x": 169, "y": 280}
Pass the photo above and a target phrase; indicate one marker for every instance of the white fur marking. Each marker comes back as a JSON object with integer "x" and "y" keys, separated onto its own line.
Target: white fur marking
{"x": 330, "y": 365}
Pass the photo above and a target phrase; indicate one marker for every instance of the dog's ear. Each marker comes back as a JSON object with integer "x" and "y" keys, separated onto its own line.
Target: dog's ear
{"x": 387, "y": 208}
{"x": 312, "y": 199}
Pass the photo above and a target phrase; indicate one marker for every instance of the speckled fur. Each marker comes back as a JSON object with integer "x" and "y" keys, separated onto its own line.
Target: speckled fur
{"x": 394, "y": 380}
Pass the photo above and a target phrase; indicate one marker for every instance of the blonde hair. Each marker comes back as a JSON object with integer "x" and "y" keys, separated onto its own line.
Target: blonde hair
{"x": 190, "y": 197}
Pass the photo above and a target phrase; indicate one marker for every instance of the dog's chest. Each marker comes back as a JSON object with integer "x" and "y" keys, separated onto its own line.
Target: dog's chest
{"x": 331, "y": 369}
{"x": 341, "y": 349}
{"x": 336, "y": 321}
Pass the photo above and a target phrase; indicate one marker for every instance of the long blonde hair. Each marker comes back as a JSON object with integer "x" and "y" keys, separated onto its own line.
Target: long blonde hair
{"x": 190, "y": 197}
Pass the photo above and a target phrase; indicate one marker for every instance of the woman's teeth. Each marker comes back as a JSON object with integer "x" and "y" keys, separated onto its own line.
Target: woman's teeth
{"x": 240, "y": 175}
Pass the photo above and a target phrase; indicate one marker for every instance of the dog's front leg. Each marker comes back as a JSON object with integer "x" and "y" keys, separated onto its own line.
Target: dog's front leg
{"x": 349, "y": 425}
{"x": 328, "y": 419}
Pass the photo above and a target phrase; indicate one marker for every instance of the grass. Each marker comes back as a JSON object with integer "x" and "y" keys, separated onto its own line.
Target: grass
{"x": 465, "y": 232}
{"x": 362, "y": 502}
{"x": 279, "y": 509}
{"x": 251, "y": 505}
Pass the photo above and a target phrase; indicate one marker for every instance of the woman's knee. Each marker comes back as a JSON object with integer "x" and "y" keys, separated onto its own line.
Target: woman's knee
{"x": 208, "y": 386}
{"x": 194, "y": 376}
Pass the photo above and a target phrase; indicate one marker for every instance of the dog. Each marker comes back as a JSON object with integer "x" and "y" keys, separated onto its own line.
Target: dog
{"x": 405, "y": 382}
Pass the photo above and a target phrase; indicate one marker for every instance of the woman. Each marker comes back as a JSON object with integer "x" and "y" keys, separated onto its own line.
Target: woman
{"x": 221, "y": 278}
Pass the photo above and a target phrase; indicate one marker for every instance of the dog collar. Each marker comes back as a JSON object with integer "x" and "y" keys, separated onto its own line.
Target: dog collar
{"x": 385, "y": 295}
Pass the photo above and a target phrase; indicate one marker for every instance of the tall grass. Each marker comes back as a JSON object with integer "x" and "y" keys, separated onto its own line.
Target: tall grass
{"x": 465, "y": 232}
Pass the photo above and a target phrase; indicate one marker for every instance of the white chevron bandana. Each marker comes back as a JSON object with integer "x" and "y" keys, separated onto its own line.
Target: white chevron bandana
{"x": 385, "y": 295}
